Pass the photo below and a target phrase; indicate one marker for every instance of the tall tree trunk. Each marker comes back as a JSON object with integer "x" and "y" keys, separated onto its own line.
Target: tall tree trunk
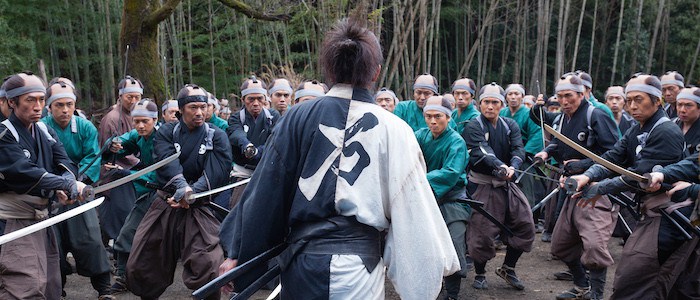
{"x": 692, "y": 65}
{"x": 590, "y": 54}
{"x": 617, "y": 42}
{"x": 635, "y": 48}
{"x": 657, "y": 24}
{"x": 578, "y": 36}
{"x": 564, "y": 7}
{"x": 211, "y": 49}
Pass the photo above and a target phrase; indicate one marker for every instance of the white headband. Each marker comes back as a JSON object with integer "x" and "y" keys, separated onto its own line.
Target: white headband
{"x": 569, "y": 87}
{"x": 24, "y": 90}
{"x": 130, "y": 89}
{"x": 463, "y": 87}
{"x": 59, "y": 96}
{"x": 249, "y": 91}
{"x": 643, "y": 88}
{"x": 673, "y": 81}
{"x": 281, "y": 87}
{"x": 688, "y": 96}
{"x": 439, "y": 108}
{"x": 515, "y": 87}
{"x": 307, "y": 92}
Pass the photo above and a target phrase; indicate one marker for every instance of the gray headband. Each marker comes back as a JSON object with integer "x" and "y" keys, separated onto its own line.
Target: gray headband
{"x": 281, "y": 87}
{"x": 688, "y": 96}
{"x": 249, "y": 91}
{"x": 492, "y": 95}
{"x": 168, "y": 104}
{"x": 307, "y": 92}
{"x": 393, "y": 96}
{"x": 60, "y": 96}
{"x": 463, "y": 87}
{"x": 587, "y": 83}
{"x": 673, "y": 81}
{"x": 24, "y": 90}
{"x": 144, "y": 113}
{"x": 643, "y": 88}
{"x": 439, "y": 108}
{"x": 425, "y": 86}
{"x": 515, "y": 88}
{"x": 568, "y": 87}
{"x": 130, "y": 89}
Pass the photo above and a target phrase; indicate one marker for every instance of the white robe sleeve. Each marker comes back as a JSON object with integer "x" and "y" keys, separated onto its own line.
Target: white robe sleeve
{"x": 419, "y": 251}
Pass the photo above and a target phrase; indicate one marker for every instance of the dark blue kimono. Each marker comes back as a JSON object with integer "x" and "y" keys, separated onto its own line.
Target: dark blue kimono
{"x": 246, "y": 130}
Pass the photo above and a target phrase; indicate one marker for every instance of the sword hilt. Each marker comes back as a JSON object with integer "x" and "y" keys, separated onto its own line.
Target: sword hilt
{"x": 500, "y": 173}
{"x": 645, "y": 184}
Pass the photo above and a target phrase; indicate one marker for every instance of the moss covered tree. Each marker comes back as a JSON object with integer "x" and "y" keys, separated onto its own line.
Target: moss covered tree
{"x": 139, "y": 30}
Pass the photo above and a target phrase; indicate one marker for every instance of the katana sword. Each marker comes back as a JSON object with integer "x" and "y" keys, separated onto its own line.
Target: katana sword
{"x": 135, "y": 175}
{"x": 609, "y": 165}
{"x": 537, "y": 161}
{"x": 51, "y": 221}
{"x": 625, "y": 226}
{"x": 219, "y": 190}
{"x": 523, "y": 173}
{"x": 478, "y": 206}
{"x": 545, "y": 199}
{"x": 223, "y": 279}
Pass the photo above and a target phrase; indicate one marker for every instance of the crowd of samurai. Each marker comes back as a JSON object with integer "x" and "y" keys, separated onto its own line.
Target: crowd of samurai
{"x": 504, "y": 164}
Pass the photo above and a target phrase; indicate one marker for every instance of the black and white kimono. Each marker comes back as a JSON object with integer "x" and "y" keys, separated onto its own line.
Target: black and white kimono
{"x": 33, "y": 165}
{"x": 337, "y": 171}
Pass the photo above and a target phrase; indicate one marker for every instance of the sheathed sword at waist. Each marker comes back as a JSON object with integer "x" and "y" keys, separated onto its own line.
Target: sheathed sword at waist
{"x": 478, "y": 206}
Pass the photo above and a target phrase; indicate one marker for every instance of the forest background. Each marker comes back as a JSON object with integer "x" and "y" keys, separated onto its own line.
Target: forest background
{"x": 218, "y": 43}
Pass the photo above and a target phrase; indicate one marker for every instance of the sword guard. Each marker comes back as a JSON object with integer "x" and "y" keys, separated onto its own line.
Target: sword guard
{"x": 88, "y": 193}
{"x": 571, "y": 186}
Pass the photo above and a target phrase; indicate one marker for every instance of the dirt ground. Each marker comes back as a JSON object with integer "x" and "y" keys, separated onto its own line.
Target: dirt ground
{"x": 535, "y": 269}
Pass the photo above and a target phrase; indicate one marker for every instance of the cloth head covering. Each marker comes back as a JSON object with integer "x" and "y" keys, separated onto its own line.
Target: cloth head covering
{"x": 649, "y": 84}
{"x": 32, "y": 84}
{"x": 515, "y": 87}
{"x": 168, "y": 104}
{"x": 615, "y": 90}
{"x": 492, "y": 90}
{"x": 310, "y": 88}
{"x": 586, "y": 78}
{"x": 464, "y": 84}
{"x": 691, "y": 93}
{"x": 569, "y": 82}
{"x": 253, "y": 86}
{"x": 438, "y": 103}
{"x": 145, "y": 108}
{"x": 183, "y": 97}
{"x": 426, "y": 81}
{"x": 131, "y": 86}
{"x": 386, "y": 93}
{"x": 60, "y": 90}
{"x": 280, "y": 84}
{"x": 672, "y": 77}
{"x": 449, "y": 98}
{"x": 529, "y": 99}
{"x": 213, "y": 101}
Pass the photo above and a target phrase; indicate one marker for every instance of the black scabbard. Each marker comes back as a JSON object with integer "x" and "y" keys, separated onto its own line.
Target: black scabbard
{"x": 478, "y": 206}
